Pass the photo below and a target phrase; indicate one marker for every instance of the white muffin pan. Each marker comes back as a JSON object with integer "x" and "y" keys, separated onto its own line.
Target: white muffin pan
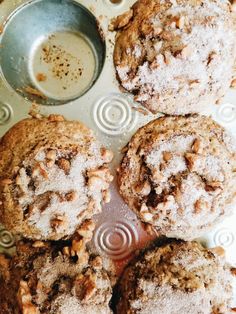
{"x": 110, "y": 113}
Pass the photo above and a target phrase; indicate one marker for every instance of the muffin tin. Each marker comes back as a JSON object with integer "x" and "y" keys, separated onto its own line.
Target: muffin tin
{"x": 94, "y": 98}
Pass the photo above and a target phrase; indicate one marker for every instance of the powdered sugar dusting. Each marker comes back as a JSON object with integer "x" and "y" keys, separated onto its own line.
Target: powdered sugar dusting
{"x": 178, "y": 176}
{"x": 58, "y": 199}
{"x": 203, "y": 74}
{"x": 177, "y": 278}
{"x": 67, "y": 302}
{"x": 192, "y": 187}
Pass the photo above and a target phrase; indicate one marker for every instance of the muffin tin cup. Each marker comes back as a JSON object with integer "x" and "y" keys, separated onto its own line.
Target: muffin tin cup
{"x": 110, "y": 113}
{"x": 52, "y": 51}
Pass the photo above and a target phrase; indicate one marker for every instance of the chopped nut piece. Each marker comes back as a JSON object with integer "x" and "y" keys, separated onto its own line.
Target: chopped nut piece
{"x": 6, "y": 182}
{"x": 163, "y": 166}
{"x": 102, "y": 173}
{"x": 107, "y": 155}
{"x": 35, "y": 171}
{"x": 85, "y": 286}
{"x": 157, "y": 31}
{"x": 97, "y": 183}
{"x": 50, "y": 163}
{"x": 191, "y": 160}
{"x": 121, "y": 20}
{"x": 64, "y": 164}
{"x": 4, "y": 267}
{"x": 42, "y": 171}
{"x": 18, "y": 180}
{"x": 157, "y": 176}
{"x": 71, "y": 196}
{"x": 146, "y": 216}
{"x": 186, "y": 52}
{"x": 158, "y": 190}
{"x": 51, "y": 154}
{"x": 163, "y": 206}
{"x": 86, "y": 230}
{"x": 30, "y": 309}
{"x": 106, "y": 196}
{"x": 25, "y": 298}
{"x": 178, "y": 195}
{"x": 167, "y": 156}
{"x": 97, "y": 262}
{"x": 180, "y": 211}
{"x": 213, "y": 186}
{"x": 78, "y": 246}
{"x": 143, "y": 112}
{"x": 66, "y": 251}
{"x": 153, "y": 65}
{"x": 58, "y": 222}
{"x": 16, "y": 170}
{"x": 167, "y": 57}
{"x": 143, "y": 188}
{"x": 91, "y": 206}
{"x": 149, "y": 229}
{"x": 200, "y": 205}
{"x": 83, "y": 258}
{"x": 212, "y": 56}
{"x": 233, "y": 83}
{"x": 144, "y": 208}
{"x": 166, "y": 35}
{"x": 39, "y": 287}
{"x": 34, "y": 111}
{"x": 89, "y": 290}
{"x": 194, "y": 83}
{"x": 233, "y": 271}
{"x": 146, "y": 29}
{"x": 39, "y": 170}
{"x": 233, "y": 6}
{"x": 180, "y": 22}
{"x": 35, "y": 92}
{"x": 56, "y": 118}
{"x": 197, "y": 146}
{"x": 38, "y": 244}
{"x": 219, "y": 250}
{"x": 124, "y": 150}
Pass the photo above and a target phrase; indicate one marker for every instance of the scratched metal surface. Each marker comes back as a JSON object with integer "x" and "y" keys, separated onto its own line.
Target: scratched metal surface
{"x": 109, "y": 113}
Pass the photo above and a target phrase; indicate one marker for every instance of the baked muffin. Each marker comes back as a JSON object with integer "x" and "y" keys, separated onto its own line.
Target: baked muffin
{"x": 178, "y": 175}
{"x": 53, "y": 176}
{"x": 176, "y": 278}
{"x": 176, "y": 57}
{"x": 46, "y": 280}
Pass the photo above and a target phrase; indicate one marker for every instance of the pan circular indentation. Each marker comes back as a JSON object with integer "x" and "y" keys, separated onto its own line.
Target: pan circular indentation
{"x": 6, "y": 239}
{"x": 113, "y": 115}
{"x": 227, "y": 113}
{"x": 224, "y": 237}
{"x": 6, "y": 113}
{"x": 116, "y": 240}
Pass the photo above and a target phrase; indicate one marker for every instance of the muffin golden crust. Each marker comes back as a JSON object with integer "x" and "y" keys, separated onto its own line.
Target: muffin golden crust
{"x": 178, "y": 175}
{"x": 53, "y": 176}
{"x": 46, "y": 281}
{"x": 176, "y": 278}
{"x": 176, "y": 57}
